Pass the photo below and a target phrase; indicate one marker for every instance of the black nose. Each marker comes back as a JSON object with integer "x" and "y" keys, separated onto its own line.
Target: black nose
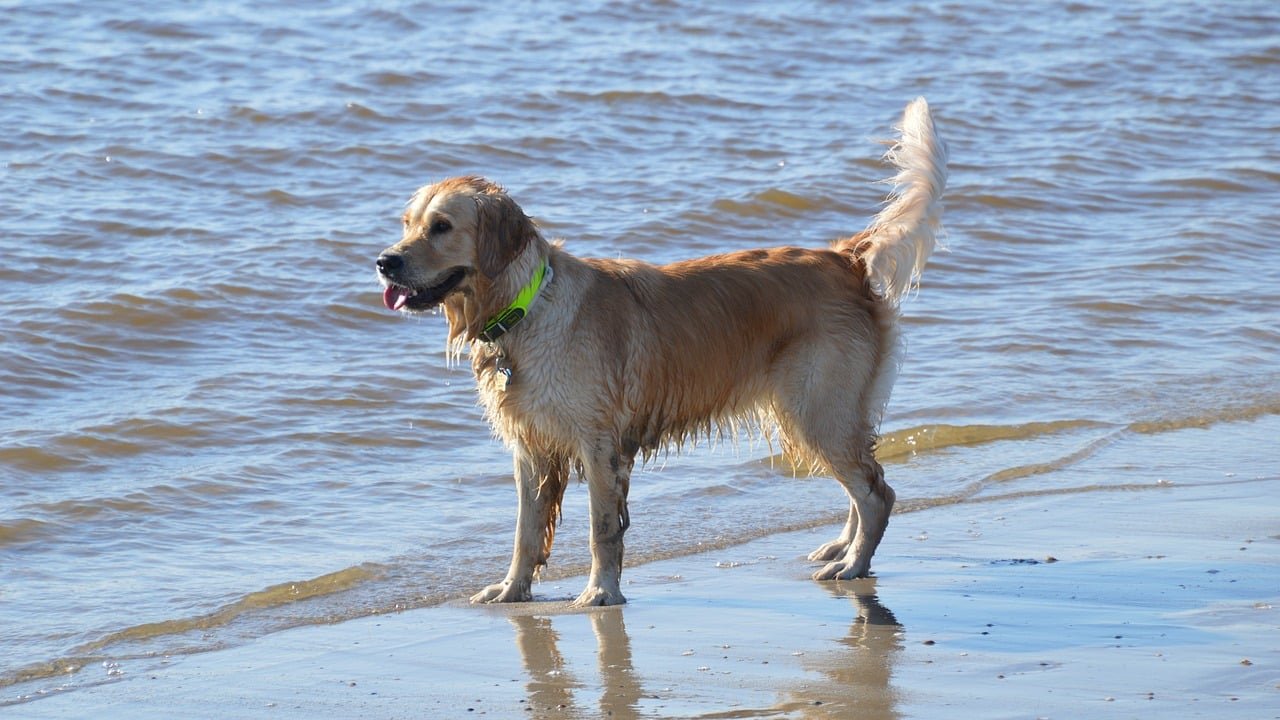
{"x": 390, "y": 264}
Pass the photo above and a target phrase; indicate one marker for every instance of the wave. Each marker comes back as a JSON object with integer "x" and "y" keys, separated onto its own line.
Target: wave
{"x": 649, "y": 98}
{"x": 925, "y": 438}
{"x": 769, "y": 203}
{"x": 899, "y": 445}
{"x": 275, "y": 596}
{"x": 22, "y": 530}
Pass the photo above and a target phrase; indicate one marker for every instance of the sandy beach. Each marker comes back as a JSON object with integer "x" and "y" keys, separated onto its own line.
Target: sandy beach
{"x": 1151, "y": 601}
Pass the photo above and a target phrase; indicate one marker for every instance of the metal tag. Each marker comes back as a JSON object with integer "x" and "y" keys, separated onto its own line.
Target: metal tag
{"x": 502, "y": 366}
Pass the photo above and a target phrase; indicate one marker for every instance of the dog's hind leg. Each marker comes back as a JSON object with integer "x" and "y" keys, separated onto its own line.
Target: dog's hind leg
{"x": 540, "y": 484}
{"x": 838, "y": 547}
{"x": 608, "y": 471}
{"x": 822, "y": 404}
{"x": 870, "y": 497}
{"x": 871, "y": 500}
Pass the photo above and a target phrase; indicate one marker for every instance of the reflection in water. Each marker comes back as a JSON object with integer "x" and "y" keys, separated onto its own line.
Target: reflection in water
{"x": 860, "y": 672}
{"x": 617, "y": 676}
{"x": 551, "y": 686}
{"x": 851, "y": 679}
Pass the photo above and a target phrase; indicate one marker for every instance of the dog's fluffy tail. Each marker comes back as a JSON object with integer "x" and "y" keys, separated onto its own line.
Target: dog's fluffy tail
{"x": 899, "y": 240}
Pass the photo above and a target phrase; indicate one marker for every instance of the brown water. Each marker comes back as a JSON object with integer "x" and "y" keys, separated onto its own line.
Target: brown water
{"x": 209, "y": 428}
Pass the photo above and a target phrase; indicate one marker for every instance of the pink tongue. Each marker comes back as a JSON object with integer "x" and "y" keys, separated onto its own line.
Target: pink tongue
{"x": 395, "y": 297}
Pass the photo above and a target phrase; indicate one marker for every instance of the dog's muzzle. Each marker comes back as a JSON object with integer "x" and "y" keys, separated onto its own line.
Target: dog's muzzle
{"x": 402, "y": 294}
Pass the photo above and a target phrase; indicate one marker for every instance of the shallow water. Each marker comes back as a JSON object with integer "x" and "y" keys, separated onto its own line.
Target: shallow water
{"x": 210, "y": 429}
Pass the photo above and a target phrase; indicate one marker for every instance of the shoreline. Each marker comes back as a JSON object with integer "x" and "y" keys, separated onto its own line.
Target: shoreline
{"x": 1000, "y": 608}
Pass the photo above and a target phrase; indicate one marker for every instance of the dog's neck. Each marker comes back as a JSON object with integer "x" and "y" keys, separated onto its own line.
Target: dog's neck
{"x": 501, "y": 323}
{"x": 469, "y": 313}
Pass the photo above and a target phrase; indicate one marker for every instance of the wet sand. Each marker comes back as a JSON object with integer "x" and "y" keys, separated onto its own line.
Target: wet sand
{"x": 1160, "y": 601}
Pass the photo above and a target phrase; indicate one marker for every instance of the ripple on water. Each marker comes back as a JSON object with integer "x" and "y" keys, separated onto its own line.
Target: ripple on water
{"x": 23, "y": 530}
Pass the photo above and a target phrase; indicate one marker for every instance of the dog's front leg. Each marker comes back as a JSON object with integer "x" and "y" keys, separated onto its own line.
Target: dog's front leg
{"x": 608, "y": 471}
{"x": 540, "y": 484}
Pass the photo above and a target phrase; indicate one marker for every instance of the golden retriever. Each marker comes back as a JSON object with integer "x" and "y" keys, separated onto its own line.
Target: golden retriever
{"x": 582, "y": 364}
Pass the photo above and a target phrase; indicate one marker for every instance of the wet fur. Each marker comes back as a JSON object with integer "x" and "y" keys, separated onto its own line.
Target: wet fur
{"x": 618, "y": 358}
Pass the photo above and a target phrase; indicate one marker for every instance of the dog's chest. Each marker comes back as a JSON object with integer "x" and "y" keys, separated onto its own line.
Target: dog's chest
{"x": 528, "y": 396}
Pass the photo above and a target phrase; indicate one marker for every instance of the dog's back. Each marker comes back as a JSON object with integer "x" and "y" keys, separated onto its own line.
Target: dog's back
{"x": 686, "y": 346}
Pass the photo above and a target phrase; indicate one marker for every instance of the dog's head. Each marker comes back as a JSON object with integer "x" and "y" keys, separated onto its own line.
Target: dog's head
{"x": 459, "y": 236}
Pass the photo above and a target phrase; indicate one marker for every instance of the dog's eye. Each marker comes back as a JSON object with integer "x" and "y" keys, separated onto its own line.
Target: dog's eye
{"x": 440, "y": 227}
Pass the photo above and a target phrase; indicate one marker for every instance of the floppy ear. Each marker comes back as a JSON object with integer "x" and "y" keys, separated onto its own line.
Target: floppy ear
{"x": 502, "y": 231}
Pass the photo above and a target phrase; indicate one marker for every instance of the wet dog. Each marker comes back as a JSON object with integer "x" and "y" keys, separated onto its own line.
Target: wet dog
{"x": 584, "y": 364}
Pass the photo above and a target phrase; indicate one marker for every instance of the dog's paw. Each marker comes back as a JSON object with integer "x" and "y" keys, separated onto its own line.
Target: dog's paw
{"x": 595, "y": 596}
{"x": 843, "y": 571}
{"x": 830, "y": 551}
{"x": 502, "y": 592}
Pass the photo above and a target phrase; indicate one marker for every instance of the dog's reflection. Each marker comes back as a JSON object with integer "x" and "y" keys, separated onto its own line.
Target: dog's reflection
{"x": 859, "y": 673}
{"x": 552, "y": 686}
{"x": 855, "y": 669}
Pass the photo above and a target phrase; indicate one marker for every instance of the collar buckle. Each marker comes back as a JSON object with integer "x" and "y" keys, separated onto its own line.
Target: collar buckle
{"x": 502, "y": 323}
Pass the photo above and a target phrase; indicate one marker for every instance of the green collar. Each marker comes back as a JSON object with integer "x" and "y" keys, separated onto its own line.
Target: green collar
{"x": 502, "y": 323}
